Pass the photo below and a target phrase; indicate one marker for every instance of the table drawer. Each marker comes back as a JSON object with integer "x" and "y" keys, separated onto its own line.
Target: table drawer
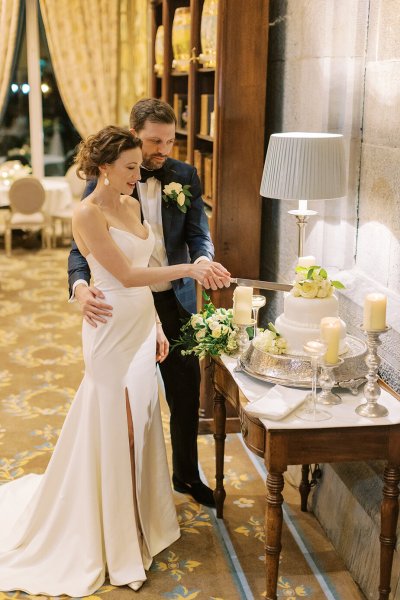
{"x": 253, "y": 433}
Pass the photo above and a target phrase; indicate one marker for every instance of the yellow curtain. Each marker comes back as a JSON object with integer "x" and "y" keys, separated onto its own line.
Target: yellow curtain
{"x": 133, "y": 56}
{"x": 9, "y": 13}
{"x": 89, "y": 43}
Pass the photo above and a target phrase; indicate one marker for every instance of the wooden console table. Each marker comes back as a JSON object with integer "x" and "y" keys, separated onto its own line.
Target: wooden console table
{"x": 286, "y": 442}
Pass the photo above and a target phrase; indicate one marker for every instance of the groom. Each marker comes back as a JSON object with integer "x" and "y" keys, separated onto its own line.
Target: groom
{"x": 179, "y": 238}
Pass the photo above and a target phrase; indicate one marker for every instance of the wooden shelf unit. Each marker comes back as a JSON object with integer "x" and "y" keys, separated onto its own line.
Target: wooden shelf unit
{"x": 237, "y": 147}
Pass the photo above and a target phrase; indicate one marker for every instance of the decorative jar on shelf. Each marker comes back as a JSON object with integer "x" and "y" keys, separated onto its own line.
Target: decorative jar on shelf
{"x": 208, "y": 34}
{"x": 181, "y": 39}
{"x": 159, "y": 50}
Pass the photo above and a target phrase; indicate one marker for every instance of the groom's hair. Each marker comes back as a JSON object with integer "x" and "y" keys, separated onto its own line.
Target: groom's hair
{"x": 153, "y": 110}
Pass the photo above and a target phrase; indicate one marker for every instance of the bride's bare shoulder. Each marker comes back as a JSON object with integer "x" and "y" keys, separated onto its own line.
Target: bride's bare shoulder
{"x": 130, "y": 202}
{"x": 86, "y": 211}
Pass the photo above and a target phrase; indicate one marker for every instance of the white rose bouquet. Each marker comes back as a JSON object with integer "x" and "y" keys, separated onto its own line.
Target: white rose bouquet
{"x": 271, "y": 341}
{"x": 176, "y": 193}
{"x": 313, "y": 282}
{"x": 209, "y": 332}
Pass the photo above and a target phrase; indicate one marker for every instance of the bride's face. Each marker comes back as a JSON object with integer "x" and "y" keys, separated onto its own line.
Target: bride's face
{"x": 125, "y": 171}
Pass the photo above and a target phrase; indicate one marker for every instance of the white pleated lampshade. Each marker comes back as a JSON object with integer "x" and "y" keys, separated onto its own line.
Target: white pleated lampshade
{"x": 304, "y": 166}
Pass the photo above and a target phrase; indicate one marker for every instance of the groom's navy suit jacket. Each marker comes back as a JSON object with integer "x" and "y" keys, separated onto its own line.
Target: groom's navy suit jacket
{"x": 186, "y": 235}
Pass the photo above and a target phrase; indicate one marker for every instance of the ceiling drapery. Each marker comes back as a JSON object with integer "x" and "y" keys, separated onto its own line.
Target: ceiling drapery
{"x": 85, "y": 41}
{"x": 9, "y": 14}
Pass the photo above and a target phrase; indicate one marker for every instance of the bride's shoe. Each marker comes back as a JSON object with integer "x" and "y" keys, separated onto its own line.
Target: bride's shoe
{"x": 136, "y": 585}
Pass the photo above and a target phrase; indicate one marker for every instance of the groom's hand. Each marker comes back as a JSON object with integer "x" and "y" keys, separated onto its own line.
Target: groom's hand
{"x": 92, "y": 307}
{"x": 214, "y": 282}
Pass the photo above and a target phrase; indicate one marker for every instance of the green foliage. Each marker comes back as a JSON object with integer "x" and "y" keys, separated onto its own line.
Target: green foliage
{"x": 210, "y": 332}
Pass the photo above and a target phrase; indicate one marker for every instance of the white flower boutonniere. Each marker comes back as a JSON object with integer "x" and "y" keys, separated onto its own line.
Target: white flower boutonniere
{"x": 176, "y": 193}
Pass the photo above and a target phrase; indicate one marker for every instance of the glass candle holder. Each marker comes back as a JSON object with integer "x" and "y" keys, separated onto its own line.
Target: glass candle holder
{"x": 243, "y": 341}
{"x": 315, "y": 349}
{"x": 257, "y": 302}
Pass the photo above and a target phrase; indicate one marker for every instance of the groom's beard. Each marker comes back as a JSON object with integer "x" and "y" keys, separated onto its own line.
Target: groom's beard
{"x": 150, "y": 163}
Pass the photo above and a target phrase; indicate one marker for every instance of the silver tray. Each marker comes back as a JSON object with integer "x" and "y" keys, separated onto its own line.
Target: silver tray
{"x": 295, "y": 371}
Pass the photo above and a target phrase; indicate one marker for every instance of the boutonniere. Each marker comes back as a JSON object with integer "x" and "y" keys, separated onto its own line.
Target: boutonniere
{"x": 176, "y": 193}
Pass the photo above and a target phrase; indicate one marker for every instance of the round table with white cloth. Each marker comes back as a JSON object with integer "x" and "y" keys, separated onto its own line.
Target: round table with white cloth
{"x": 58, "y": 195}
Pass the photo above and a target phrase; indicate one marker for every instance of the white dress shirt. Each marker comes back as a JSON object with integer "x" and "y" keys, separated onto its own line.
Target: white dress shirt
{"x": 150, "y": 199}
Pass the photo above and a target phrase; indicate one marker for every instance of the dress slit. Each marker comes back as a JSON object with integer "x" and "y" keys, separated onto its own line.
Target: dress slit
{"x": 131, "y": 437}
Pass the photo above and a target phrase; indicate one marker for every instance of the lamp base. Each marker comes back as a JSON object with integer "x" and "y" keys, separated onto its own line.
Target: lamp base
{"x": 302, "y": 215}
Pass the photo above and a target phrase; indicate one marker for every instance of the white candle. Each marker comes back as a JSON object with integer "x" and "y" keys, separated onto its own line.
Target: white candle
{"x": 242, "y": 299}
{"x": 374, "y": 312}
{"x": 306, "y": 261}
{"x": 330, "y": 329}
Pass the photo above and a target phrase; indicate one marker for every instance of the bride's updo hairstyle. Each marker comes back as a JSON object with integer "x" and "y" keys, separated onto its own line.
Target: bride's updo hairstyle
{"x": 103, "y": 148}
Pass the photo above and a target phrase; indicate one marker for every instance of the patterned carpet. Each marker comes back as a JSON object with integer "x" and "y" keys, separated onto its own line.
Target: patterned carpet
{"x": 40, "y": 368}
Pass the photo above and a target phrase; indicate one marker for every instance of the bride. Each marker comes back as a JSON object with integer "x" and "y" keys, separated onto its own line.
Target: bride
{"x": 104, "y": 503}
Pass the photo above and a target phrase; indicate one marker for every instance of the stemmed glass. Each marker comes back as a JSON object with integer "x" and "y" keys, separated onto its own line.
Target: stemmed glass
{"x": 257, "y": 302}
{"x": 315, "y": 349}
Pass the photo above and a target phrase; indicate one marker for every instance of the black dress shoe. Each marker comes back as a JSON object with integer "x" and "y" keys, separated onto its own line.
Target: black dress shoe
{"x": 197, "y": 489}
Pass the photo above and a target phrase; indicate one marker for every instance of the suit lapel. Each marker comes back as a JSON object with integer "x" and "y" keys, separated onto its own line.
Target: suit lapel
{"x": 167, "y": 216}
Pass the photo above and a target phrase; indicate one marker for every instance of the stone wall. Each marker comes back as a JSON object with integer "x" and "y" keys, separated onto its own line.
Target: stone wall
{"x": 334, "y": 66}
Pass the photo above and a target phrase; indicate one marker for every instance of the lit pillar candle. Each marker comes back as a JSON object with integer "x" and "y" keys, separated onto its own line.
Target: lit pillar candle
{"x": 374, "y": 312}
{"x": 306, "y": 261}
{"x": 330, "y": 329}
{"x": 242, "y": 299}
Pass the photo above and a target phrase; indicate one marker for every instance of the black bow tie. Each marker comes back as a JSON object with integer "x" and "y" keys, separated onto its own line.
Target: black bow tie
{"x": 159, "y": 174}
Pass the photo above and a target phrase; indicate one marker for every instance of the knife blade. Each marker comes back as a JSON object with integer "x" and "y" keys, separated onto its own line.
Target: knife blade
{"x": 262, "y": 285}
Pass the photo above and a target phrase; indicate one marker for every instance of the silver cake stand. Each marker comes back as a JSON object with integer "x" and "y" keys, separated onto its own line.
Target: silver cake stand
{"x": 295, "y": 371}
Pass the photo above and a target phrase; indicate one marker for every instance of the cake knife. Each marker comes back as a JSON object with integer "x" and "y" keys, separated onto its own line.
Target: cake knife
{"x": 262, "y": 285}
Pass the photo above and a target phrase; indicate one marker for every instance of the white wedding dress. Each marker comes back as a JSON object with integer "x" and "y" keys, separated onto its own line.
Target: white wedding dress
{"x": 61, "y": 532}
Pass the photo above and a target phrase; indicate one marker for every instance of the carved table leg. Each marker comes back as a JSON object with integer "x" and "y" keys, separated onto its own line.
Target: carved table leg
{"x": 273, "y": 532}
{"x": 389, "y": 516}
{"x": 219, "y": 436}
{"x": 305, "y": 486}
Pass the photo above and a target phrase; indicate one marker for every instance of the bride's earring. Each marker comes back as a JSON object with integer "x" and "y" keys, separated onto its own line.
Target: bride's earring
{"x": 106, "y": 180}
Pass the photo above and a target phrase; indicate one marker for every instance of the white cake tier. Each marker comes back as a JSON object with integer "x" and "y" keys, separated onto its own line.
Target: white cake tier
{"x": 308, "y": 312}
{"x": 301, "y": 319}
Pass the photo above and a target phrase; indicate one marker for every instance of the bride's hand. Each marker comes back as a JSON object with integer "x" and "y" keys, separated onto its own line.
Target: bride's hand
{"x": 162, "y": 344}
{"x": 210, "y": 274}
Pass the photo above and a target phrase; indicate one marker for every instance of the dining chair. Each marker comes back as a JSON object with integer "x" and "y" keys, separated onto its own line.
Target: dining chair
{"x": 61, "y": 220}
{"x": 76, "y": 184}
{"x": 26, "y": 196}
{"x": 61, "y": 225}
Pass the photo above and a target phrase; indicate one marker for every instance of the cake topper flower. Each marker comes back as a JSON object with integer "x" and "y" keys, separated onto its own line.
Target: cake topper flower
{"x": 313, "y": 282}
{"x": 176, "y": 193}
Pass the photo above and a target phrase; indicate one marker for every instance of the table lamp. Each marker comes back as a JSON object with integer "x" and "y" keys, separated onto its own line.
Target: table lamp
{"x": 304, "y": 166}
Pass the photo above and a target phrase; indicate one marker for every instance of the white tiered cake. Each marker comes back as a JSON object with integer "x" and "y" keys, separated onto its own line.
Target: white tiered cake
{"x": 310, "y": 300}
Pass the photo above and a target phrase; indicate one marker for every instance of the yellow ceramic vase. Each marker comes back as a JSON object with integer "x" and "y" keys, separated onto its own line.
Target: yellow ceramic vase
{"x": 208, "y": 33}
{"x": 159, "y": 50}
{"x": 181, "y": 39}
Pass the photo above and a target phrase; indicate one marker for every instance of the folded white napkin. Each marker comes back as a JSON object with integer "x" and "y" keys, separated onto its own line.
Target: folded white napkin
{"x": 278, "y": 402}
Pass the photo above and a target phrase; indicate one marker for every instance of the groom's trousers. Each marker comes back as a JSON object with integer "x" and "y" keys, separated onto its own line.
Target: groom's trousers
{"x": 181, "y": 376}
